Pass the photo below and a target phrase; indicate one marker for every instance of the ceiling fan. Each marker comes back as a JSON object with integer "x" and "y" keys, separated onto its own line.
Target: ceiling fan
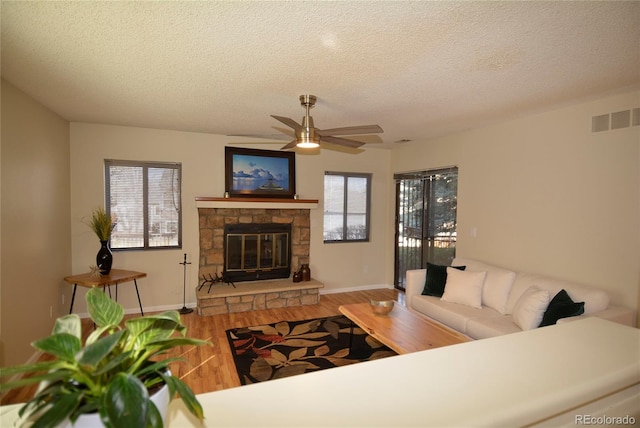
{"x": 307, "y": 136}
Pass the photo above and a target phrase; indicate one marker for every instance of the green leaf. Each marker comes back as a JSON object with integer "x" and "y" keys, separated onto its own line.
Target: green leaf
{"x": 94, "y": 353}
{"x": 50, "y": 376}
{"x": 114, "y": 362}
{"x": 59, "y": 411}
{"x": 125, "y": 402}
{"x": 68, "y": 324}
{"x": 187, "y": 395}
{"x": 103, "y": 310}
{"x": 97, "y": 334}
{"x": 154, "y": 418}
{"x": 63, "y": 345}
{"x": 158, "y": 366}
{"x": 30, "y": 368}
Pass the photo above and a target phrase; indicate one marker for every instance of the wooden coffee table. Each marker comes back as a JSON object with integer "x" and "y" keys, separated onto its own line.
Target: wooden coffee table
{"x": 401, "y": 330}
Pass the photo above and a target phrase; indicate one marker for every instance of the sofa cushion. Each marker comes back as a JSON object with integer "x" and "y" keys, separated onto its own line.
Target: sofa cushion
{"x": 491, "y": 326}
{"x": 436, "y": 279}
{"x": 464, "y": 288}
{"x": 497, "y": 284}
{"x": 595, "y": 300}
{"x": 561, "y": 306}
{"x": 530, "y": 307}
{"x": 452, "y": 315}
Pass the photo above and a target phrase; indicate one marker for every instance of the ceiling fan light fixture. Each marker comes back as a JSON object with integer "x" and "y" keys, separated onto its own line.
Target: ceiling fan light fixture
{"x": 307, "y": 144}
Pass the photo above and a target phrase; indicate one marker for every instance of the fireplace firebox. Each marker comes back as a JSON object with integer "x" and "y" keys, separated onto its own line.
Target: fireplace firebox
{"x": 257, "y": 251}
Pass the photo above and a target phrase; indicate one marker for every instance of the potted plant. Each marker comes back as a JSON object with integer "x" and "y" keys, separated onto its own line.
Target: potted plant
{"x": 111, "y": 375}
{"x": 102, "y": 225}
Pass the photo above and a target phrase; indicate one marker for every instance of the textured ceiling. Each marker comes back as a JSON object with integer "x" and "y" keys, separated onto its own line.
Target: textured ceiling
{"x": 418, "y": 69}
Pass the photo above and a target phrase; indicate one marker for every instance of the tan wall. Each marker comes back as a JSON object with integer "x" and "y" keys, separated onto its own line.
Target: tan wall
{"x": 36, "y": 238}
{"x": 202, "y": 157}
{"x": 546, "y": 195}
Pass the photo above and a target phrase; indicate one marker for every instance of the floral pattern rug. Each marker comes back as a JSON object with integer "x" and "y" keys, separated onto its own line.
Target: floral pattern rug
{"x": 289, "y": 348}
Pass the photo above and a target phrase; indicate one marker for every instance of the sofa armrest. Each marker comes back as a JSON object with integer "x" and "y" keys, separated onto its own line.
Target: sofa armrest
{"x": 414, "y": 284}
{"x": 618, "y": 314}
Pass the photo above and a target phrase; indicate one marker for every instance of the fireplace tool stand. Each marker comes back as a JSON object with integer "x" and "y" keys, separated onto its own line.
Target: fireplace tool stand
{"x": 184, "y": 309}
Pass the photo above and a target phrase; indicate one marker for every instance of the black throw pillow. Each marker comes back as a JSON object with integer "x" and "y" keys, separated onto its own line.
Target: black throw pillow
{"x": 561, "y": 306}
{"x": 436, "y": 279}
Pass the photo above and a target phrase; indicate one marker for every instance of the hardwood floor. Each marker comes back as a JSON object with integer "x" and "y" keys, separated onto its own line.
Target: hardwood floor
{"x": 211, "y": 368}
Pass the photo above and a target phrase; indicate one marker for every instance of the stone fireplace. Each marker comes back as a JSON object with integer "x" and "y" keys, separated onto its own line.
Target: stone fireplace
{"x": 250, "y": 291}
{"x": 212, "y": 232}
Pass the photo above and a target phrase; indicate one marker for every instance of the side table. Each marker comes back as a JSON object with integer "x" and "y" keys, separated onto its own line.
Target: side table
{"x": 115, "y": 277}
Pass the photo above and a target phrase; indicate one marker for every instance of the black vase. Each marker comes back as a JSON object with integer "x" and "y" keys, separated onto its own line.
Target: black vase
{"x": 104, "y": 259}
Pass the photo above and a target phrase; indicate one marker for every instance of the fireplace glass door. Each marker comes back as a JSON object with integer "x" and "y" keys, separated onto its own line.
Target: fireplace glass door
{"x": 256, "y": 252}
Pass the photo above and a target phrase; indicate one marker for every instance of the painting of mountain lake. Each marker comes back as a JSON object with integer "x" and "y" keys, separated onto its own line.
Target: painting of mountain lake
{"x": 259, "y": 173}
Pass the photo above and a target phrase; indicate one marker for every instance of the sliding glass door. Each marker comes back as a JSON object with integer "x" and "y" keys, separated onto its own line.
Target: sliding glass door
{"x": 426, "y": 204}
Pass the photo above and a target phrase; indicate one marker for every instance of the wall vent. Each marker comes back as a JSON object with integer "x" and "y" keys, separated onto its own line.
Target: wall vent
{"x": 621, "y": 119}
{"x": 616, "y": 120}
{"x": 600, "y": 123}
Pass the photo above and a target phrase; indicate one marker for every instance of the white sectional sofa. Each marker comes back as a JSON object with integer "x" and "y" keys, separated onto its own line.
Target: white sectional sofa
{"x": 504, "y": 302}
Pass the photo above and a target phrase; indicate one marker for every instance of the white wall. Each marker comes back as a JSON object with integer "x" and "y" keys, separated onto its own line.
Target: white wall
{"x": 202, "y": 155}
{"x": 35, "y": 242}
{"x": 546, "y": 195}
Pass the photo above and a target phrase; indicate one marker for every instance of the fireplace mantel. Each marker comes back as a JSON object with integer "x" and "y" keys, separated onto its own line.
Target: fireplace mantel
{"x": 273, "y": 203}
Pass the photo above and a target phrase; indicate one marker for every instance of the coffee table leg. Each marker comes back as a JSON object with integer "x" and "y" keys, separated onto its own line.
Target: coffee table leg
{"x": 351, "y": 338}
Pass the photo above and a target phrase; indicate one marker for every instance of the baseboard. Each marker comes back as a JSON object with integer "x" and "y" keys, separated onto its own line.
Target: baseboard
{"x": 148, "y": 309}
{"x": 356, "y": 288}
{"x": 151, "y": 309}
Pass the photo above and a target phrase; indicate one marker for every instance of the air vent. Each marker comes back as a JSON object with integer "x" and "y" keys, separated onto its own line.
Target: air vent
{"x": 621, "y": 119}
{"x": 600, "y": 123}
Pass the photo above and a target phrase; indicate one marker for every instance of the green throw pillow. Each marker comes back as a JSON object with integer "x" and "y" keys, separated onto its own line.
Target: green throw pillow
{"x": 436, "y": 279}
{"x": 561, "y": 306}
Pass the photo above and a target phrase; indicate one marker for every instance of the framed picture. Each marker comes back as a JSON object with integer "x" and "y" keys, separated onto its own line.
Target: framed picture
{"x": 260, "y": 173}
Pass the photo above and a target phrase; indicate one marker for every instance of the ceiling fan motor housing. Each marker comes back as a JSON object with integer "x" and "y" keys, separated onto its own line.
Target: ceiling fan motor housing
{"x": 308, "y": 100}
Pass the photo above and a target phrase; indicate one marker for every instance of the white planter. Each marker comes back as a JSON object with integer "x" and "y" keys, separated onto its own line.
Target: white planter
{"x": 161, "y": 399}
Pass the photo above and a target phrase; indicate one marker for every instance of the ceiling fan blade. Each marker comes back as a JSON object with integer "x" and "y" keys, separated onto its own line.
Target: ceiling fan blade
{"x": 290, "y": 145}
{"x": 351, "y": 130}
{"x": 342, "y": 141}
{"x": 289, "y": 122}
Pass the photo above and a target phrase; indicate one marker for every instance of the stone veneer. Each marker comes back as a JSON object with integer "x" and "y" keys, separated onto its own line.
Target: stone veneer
{"x": 213, "y": 220}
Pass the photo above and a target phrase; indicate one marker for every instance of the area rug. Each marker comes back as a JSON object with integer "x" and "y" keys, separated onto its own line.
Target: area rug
{"x": 289, "y": 348}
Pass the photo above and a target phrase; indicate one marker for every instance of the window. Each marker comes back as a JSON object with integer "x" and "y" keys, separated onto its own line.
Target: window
{"x": 426, "y": 207}
{"x": 347, "y": 199}
{"x": 145, "y": 200}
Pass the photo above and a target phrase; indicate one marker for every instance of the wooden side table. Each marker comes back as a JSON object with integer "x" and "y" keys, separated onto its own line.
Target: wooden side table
{"x": 115, "y": 277}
